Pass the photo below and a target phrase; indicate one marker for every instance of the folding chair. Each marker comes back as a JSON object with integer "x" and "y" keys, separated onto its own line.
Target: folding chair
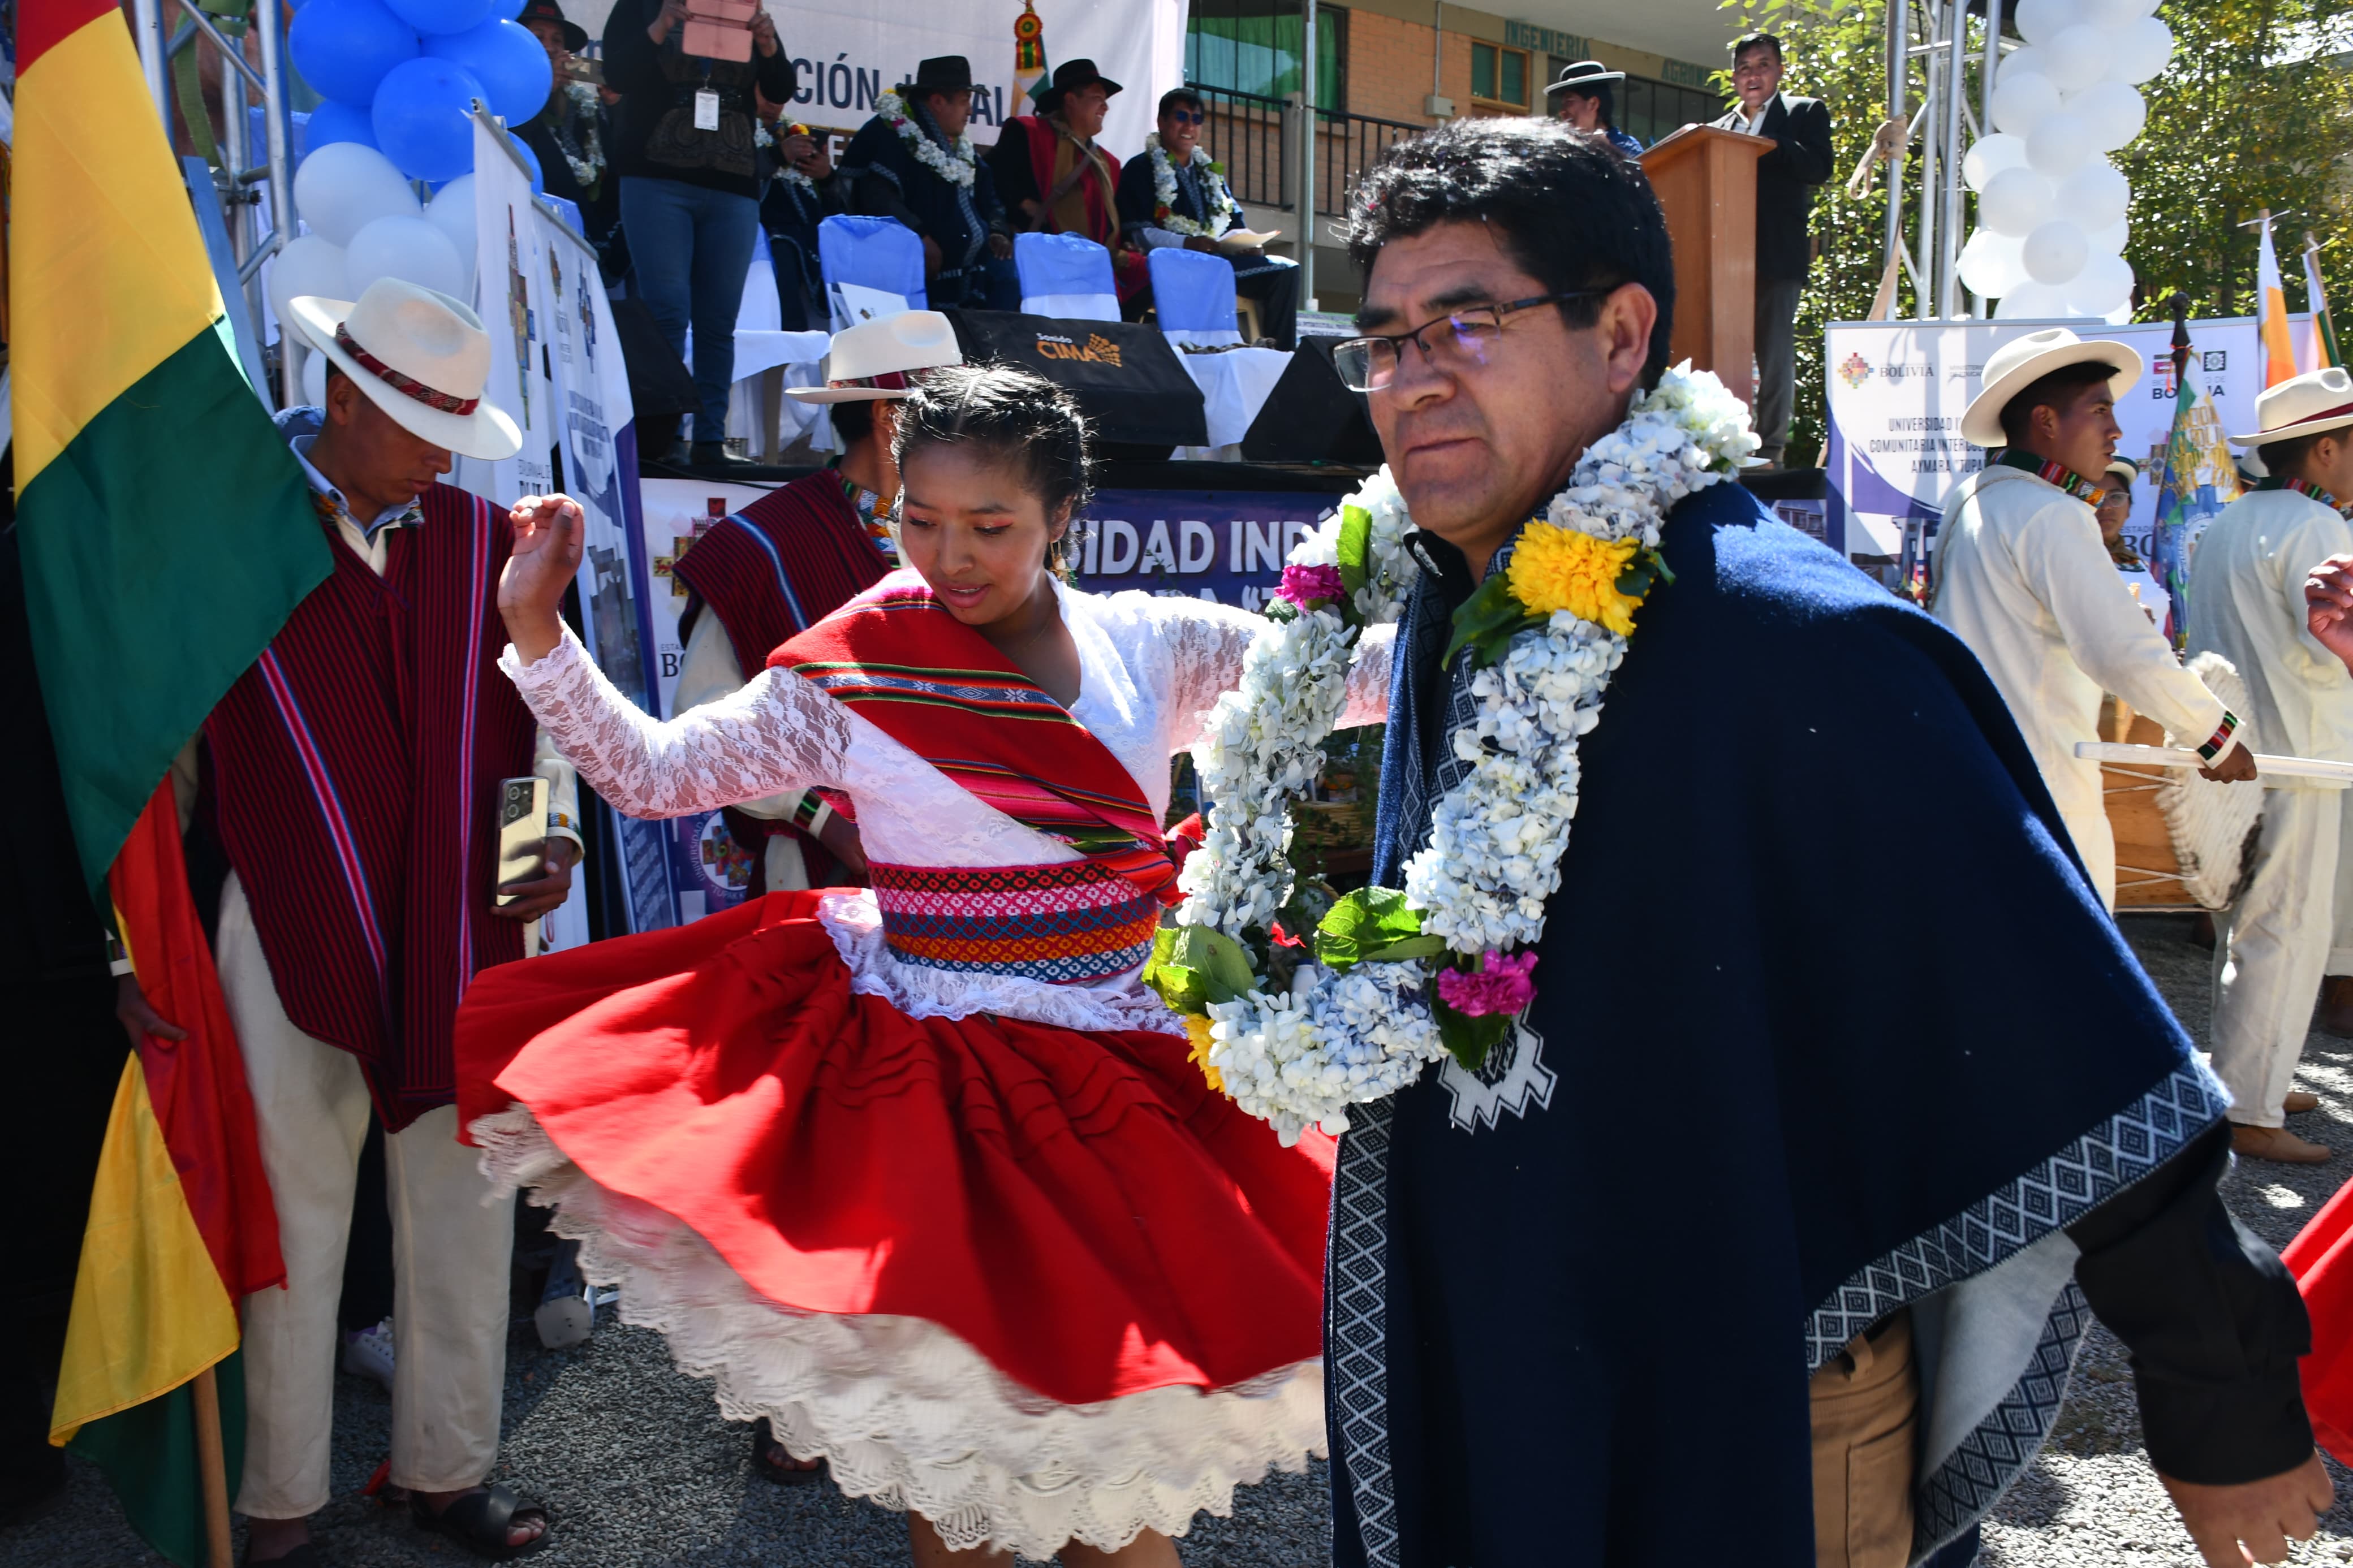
{"x": 1065, "y": 275}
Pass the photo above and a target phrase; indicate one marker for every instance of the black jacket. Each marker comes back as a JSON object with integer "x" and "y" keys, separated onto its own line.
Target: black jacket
{"x": 653, "y": 125}
{"x": 1786, "y": 178}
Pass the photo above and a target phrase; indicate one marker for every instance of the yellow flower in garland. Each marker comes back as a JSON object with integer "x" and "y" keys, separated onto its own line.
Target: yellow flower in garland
{"x": 1196, "y": 1029}
{"x": 1556, "y": 568}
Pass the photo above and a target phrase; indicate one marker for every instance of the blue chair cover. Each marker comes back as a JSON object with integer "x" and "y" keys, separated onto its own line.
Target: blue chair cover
{"x": 1193, "y": 292}
{"x": 874, "y": 253}
{"x": 1065, "y": 275}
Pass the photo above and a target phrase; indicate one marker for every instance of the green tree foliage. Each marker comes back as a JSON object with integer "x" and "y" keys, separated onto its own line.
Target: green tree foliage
{"x": 2255, "y": 110}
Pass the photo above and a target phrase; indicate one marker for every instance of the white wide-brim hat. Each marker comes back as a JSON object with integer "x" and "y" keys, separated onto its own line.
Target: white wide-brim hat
{"x": 420, "y": 356}
{"x": 2302, "y": 405}
{"x": 2021, "y": 361}
{"x": 888, "y": 348}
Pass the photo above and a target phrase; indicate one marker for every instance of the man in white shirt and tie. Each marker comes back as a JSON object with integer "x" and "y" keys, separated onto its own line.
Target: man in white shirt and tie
{"x": 2023, "y": 578}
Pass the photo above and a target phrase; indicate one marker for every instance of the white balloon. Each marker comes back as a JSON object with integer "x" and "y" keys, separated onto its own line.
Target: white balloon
{"x": 2025, "y": 59}
{"x": 2031, "y": 301}
{"x": 308, "y": 265}
{"x": 2095, "y": 196}
{"x": 2077, "y": 54}
{"x": 2015, "y": 202}
{"x": 2112, "y": 12}
{"x": 342, "y": 187}
{"x": 2040, "y": 20}
{"x": 2055, "y": 252}
{"x": 2113, "y": 111}
{"x": 1992, "y": 264}
{"x": 2022, "y": 101}
{"x": 314, "y": 378}
{"x": 2139, "y": 52}
{"x": 2059, "y": 144}
{"x": 2120, "y": 315}
{"x": 410, "y": 249}
{"x": 2105, "y": 283}
{"x": 451, "y": 211}
{"x": 1989, "y": 156}
{"x": 2110, "y": 240}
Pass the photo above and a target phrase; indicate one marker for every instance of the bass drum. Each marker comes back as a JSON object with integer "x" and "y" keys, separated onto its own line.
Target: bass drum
{"x": 2182, "y": 842}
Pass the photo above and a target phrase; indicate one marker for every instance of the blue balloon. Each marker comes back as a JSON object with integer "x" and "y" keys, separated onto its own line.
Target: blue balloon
{"x": 332, "y": 121}
{"x": 345, "y": 48}
{"x": 509, "y": 10}
{"x": 530, "y": 161}
{"x": 510, "y": 64}
{"x": 444, "y": 15}
{"x": 423, "y": 118}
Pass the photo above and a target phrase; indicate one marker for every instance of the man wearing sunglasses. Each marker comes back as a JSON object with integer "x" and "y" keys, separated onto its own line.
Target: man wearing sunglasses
{"x": 1521, "y": 1360}
{"x": 1175, "y": 194}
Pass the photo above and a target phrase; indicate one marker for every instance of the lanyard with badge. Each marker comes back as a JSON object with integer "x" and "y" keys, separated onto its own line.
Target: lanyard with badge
{"x": 706, "y": 102}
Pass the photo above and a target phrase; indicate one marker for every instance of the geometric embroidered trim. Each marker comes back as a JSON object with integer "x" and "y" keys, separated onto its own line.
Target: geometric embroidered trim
{"x": 1356, "y": 1366}
{"x": 2051, "y": 1195}
{"x": 1993, "y": 1456}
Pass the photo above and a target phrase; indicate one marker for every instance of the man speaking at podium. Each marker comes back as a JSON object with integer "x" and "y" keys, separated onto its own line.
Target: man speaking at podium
{"x": 1786, "y": 178}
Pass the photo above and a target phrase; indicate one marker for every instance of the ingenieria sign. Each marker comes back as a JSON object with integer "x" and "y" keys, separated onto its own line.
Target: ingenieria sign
{"x": 1897, "y": 390}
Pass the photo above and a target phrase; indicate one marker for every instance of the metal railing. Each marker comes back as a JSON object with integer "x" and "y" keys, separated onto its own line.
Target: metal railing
{"x": 1252, "y": 134}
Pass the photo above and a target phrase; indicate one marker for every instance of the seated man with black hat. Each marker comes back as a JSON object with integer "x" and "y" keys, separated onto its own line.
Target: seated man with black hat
{"x": 1173, "y": 193}
{"x": 1585, "y": 96}
{"x": 570, "y": 133}
{"x": 912, "y": 162}
{"x": 1053, "y": 177}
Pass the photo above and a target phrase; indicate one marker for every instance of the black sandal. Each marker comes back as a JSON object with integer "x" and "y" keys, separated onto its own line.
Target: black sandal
{"x": 793, "y": 1472}
{"x": 478, "y": 1521}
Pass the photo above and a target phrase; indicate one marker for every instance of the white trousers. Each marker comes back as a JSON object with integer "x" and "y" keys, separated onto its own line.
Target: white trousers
{"x": 2095, "y": 841}
{"x": 2340, "y": 953}
{"x": 2270, "y": 951}
{"x": 450, "y": 1256}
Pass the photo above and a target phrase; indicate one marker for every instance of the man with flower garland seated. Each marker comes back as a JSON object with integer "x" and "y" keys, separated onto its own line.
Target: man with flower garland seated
{"x": 1519, "y": 1354}
{"x": 912, "y": 162}
{"x": 1174, "y": 193}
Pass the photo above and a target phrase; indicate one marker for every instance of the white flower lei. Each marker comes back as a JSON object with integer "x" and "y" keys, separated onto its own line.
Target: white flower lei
{"x": 1304, "y": 1056}
{"x": 1219, "y": 201}
{"x": 957, "y": 170}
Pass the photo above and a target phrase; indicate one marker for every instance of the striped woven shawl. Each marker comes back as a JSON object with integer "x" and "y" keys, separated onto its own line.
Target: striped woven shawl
{"x": 904, "y": 663}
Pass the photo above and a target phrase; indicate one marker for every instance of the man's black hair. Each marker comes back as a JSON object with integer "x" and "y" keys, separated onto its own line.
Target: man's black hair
{"x": 853, "y": 421}
{"x": 1602, "y": 92}
{"x": 1570, "y": 211}
{"x": 1005, "y": 415}
{"x": 1757, "y": 41}
{"x": 2055, "y": 391}
{"x": 1176, "y": 95}
{"x": 2282, "y": 459}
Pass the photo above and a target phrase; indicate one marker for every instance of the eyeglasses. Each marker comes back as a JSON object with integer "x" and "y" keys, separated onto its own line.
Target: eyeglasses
{"x": 1368, "y": 365}
{"x": 1184, "y": 117}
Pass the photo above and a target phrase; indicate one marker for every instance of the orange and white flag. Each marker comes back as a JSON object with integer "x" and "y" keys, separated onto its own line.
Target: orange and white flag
{"x": 2271, "y": 312}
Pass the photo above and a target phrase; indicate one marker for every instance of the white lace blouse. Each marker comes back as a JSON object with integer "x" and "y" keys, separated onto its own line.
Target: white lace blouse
{"x": 1149, "y": 669}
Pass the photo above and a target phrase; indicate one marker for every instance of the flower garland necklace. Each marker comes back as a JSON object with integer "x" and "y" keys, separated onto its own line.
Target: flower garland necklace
{"x": 1215, "y": 199}
{"x": 585, "y": 154}
{"x": 1295, "y": 1033}
{"x": 955, "y": 167}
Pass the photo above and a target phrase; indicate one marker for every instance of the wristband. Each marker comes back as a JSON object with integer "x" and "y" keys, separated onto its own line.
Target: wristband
{"x": 2221, "y": 740}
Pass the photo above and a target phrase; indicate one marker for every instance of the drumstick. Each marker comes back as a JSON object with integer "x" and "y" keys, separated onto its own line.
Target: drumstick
{"x": 2332, "y": 775}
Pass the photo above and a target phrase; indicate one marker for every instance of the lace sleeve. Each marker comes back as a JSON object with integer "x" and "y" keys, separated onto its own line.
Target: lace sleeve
{"x": 1368, "y": 678}
{"x": 777, "y": 732}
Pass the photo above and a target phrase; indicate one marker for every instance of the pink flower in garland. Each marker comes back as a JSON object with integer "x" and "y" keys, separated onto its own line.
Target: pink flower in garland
{"x": 1305, "y": 585}
{"x": 1500, "y": 985}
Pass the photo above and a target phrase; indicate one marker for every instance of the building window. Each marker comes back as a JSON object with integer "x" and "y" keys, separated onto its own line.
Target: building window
{"x": 1648, "y": 111}
{"x": 1499, "y": 77}
{"x": 1254, "y": 46}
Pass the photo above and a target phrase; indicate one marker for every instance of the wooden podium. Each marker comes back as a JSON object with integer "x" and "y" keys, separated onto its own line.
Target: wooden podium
{"x": 1706, "y": 183}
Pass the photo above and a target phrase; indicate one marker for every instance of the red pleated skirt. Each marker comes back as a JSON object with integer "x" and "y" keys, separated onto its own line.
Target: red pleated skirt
{"x": 2321, "y": 1259}
{"x": 1079, "y": 1207}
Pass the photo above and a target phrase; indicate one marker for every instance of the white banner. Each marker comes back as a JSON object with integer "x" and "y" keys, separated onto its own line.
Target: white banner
{"x": 1897, "y": 390}
{"x": 511, "y": 294}
{"x": 850, "y": 51}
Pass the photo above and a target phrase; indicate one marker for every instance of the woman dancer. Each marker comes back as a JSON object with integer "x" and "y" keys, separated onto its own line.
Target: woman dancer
{"x": 920, "y": 1174}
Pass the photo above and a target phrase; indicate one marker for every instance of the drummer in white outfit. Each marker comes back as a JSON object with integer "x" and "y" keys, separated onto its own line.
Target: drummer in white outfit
{"x": 2247, "y": 604}
{"x": 2023, "y": 578}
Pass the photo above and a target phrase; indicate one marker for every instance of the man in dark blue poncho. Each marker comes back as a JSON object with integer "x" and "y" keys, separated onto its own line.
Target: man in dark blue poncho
{"x": 1927, "y": 1112}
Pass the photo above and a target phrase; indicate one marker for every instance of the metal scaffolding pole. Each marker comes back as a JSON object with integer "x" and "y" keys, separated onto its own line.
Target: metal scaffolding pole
{"x": 1899, "y": 96}
{"x": 1953, "y": 192}
{"x": 147, "y": 25}
{"x": 1988, "y": 64}
{"x": 1923, "y": 249}
{"x": 272, "y": 24}
{"x": 1307, "y": 155}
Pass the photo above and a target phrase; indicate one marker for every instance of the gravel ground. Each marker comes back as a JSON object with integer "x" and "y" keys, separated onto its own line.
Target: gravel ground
{"x": 638, "y": 1469}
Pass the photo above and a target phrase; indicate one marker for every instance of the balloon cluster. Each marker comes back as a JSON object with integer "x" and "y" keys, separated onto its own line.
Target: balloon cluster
{"x": 402, "y": 76}
{"x": 2051, "y": 207}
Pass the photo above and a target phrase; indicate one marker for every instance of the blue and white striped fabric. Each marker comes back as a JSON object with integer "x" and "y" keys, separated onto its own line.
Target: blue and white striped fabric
{"x": 879, "y": 254}
{"x": 1194, "y": 293}
{"x": 1065, "y": 275}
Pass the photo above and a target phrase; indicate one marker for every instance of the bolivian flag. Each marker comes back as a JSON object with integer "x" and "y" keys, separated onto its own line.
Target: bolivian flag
{"x": 167, "y": 533}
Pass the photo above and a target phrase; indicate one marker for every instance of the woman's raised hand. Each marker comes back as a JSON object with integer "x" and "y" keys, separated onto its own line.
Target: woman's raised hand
{"x": 548, "y": 534}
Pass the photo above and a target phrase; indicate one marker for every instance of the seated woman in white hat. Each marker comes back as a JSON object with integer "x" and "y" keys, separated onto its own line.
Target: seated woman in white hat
{"x": 2023, "y": 578}
{"x": 2247, "y": 604}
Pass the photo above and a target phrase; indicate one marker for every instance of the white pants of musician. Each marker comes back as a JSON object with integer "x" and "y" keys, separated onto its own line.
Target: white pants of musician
{"x": 2095, "y": 843}
{"x": 450, "y": 1257}
{"x": 2340, "y": 954}
{"x": 2270, "y": 951}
